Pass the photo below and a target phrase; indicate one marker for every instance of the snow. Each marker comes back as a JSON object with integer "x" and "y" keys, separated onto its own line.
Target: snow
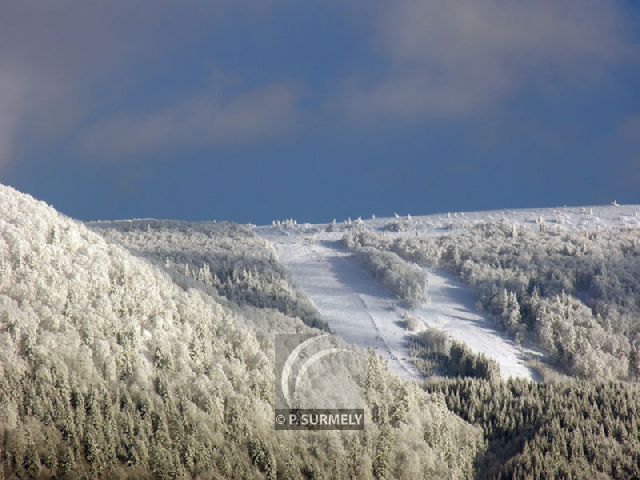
{"x": 364, "y": 313}
{"x": 450, "y": 307}
{"x": 357, "y": 308}
{"x": 360, "y": 310}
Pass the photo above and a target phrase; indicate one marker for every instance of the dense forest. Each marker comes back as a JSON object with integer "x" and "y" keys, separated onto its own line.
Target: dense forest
{"x": 574, "y": 430}
{"x": 226, "y": 256}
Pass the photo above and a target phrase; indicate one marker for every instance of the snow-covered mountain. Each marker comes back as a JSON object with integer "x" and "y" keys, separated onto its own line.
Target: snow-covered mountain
{"x": 359, "y": 308}
{"x": 110, "y": 367}
{"x": 145, "y": 349}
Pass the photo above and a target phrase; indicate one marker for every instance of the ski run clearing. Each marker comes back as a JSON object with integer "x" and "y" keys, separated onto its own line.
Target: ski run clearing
{"x": 364, "y": 313}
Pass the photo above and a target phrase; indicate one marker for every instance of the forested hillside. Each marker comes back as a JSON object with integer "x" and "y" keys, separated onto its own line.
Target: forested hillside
{"x": 109, "y": 369}
{"x": 145, "y": 349}
{"x": 575, "y": 293}
{"x": 226, "y": 256}
{"x": 554, "y": 430}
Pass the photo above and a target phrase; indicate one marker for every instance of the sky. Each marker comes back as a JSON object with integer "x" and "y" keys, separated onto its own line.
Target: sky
{"x": 251, "y": 111}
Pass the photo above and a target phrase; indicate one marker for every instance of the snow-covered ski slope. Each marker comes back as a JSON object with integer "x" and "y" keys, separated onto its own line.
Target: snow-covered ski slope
{"x": 357, "y": 307}
{"x": 361, "y": 311}
{"x": 450, "y": 307}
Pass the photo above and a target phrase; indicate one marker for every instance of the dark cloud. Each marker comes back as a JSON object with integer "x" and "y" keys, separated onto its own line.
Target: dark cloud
{"x": 57, "y": 57}
{"x": 206, "y": 119}
{"x": 452, "y": 58}
{"x": 61, "y": 61}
